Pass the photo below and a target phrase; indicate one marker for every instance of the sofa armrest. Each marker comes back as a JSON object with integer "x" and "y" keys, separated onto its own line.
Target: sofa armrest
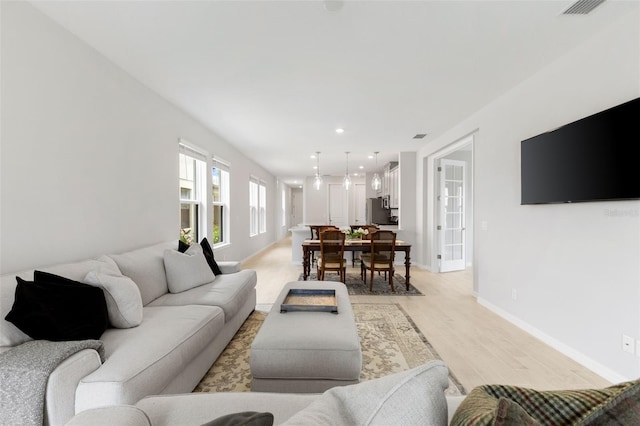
{"x": 229, "y": 267}
{"x": 60, "y": 395}
{"x": 121, "y": 415}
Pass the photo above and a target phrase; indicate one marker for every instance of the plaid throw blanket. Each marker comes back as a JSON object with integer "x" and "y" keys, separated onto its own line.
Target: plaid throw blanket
{"x": 511, "y": 405}
{"x": 24, "y": 372}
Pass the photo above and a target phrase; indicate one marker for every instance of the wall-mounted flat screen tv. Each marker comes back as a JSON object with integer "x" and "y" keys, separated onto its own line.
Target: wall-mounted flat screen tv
{"x": 596, "y": 158}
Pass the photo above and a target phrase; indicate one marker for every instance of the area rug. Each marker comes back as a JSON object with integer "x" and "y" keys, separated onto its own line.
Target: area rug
{"x": 381, "y": 287}
{"x": 390, "y": 344}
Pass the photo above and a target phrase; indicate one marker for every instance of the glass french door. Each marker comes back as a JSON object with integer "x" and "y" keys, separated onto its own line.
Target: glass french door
{"x": 451, "y": 227}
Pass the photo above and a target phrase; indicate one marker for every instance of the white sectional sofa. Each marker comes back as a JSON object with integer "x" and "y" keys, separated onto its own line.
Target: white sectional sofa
{"x": 179, "y": 338}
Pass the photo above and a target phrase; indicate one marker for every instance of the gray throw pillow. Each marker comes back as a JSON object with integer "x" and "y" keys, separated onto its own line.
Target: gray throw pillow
{"x": 384, "y": 401}
{"x": 124, "y": 302}
{"x": 187, "y": 270}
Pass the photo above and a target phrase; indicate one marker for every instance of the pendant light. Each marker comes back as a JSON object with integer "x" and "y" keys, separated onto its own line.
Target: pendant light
{"x": 346, "y": 182}
{"x": 317, "y": 181}
{"x": 376, "y": 182}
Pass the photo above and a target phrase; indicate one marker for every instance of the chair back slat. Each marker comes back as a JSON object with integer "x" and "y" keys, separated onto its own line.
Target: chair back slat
{"x": 332, "y": 243}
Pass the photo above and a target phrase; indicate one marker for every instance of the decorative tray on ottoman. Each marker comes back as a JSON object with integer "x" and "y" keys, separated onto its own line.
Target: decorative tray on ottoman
{"x": 310, "y": 300}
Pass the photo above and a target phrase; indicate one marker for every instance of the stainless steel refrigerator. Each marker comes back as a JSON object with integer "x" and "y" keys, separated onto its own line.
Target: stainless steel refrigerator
{"x": 376, "y": 214}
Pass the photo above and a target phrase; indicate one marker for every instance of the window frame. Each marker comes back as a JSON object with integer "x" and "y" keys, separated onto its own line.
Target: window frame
{"x": 198, "y": 198}
{"x": 257, "y": 206}
{"x": 225, "y": 202}
{"x": 254, "y": 206}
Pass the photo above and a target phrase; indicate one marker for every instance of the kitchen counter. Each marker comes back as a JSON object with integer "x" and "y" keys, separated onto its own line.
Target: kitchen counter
{"x": 298, "y": 235}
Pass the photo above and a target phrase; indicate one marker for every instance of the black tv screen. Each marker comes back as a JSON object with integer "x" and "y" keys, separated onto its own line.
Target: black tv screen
{"x": 596, "y": 158}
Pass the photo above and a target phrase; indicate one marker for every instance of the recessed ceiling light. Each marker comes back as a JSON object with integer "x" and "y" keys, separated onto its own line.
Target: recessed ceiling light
{"x": 370, "y": 157}
{"x": 339, "y": 130}
{"x": 315, "y": 167}
{"x": 313, "y": 156}
{"x": 361, "y": 167}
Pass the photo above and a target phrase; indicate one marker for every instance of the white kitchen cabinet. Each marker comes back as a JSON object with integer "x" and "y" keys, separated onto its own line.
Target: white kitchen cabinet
{"x": 394, "y": 188}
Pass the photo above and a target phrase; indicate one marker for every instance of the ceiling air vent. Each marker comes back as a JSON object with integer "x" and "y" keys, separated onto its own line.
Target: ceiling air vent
{"x": 420, "y": 136}
{"x": 582, "y": 7}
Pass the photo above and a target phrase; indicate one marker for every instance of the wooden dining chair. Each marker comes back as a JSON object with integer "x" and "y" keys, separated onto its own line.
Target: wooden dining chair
{"x": 370, "y": 230}
{"x": 331, "y": 256}
{"x": 380, "y": 257}
{"x": 315, "y": 235}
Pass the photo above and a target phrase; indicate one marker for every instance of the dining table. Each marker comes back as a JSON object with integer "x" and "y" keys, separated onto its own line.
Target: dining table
{"x": 353, "y": 245}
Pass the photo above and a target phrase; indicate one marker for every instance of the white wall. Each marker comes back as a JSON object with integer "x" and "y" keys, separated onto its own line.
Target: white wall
{"x": 316, "y": 202}
{"x": 574, "y": 266}
{"x": 89, "y": 155}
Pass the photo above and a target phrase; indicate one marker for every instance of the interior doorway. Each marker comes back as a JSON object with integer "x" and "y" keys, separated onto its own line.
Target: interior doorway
{"x": 452, "y": 196}
{"x": 452, "y": 245}
{"x": 296, "y": 206}
{"x": 338, "y": 206}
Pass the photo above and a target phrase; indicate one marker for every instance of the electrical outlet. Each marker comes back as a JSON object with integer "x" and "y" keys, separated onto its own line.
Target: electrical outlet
{"x": 484, "y": 225}
{"x": 514, "y": 294}
{"x": 628, "y": 344}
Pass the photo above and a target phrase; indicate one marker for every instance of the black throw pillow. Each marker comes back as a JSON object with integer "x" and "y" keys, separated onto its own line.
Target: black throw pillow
{"x": 182, "y": 246}
{"x": 208, "y": 254}
{"x": 58, "y": 309}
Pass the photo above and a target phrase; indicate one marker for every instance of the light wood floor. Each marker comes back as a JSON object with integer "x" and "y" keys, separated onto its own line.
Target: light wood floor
{"x": 478, "y": 346}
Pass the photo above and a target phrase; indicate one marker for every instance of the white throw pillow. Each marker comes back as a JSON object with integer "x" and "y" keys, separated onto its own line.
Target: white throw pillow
{"x": 413, "y": 397}
{"x": 187, "y": 270}
{"x": 124, "y": 302}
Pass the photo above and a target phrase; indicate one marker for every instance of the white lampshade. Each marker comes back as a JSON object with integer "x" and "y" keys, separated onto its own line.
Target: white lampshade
{"x": 346, "y": 182}
{"x": 376, "y": 182}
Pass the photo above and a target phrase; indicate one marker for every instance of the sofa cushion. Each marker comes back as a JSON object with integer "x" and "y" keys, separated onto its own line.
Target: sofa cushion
{"x": 143, "y": 360}
{"x": 124, "y": 303}
{"x": 384, "y": 401}
{"x": 56, "y": 308}
{"x": 229, "y": 292}
{"x": 186, "y": 270}
{"x": 122, "y": 415}
{"x": 145, "y": 267}
{"x": 200, "y": 407}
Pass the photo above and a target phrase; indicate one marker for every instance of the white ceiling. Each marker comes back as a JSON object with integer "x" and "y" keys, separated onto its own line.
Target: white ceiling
{"x": 276, "y": 78}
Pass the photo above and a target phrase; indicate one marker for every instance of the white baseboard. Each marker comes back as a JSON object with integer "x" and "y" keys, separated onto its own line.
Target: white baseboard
{"x": 575, "y": 355}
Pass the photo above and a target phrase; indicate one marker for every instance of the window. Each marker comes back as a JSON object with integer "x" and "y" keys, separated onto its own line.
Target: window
{"x": 253, "y": 207}
{"x": 220, "y": 191}
{"x": 283, "y": 205}
{"x": 262, "y": 203}
{"x": 192, "y": 166}
{"x": 257, "y": 207}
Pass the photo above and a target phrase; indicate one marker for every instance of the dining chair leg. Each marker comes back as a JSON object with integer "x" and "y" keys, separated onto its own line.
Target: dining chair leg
{"x": 391, "y": 280}
{"x": 371, "y": 282}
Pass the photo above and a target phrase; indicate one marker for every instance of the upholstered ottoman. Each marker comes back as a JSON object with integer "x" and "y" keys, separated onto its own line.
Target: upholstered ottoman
{"x": 306, "y": 351}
